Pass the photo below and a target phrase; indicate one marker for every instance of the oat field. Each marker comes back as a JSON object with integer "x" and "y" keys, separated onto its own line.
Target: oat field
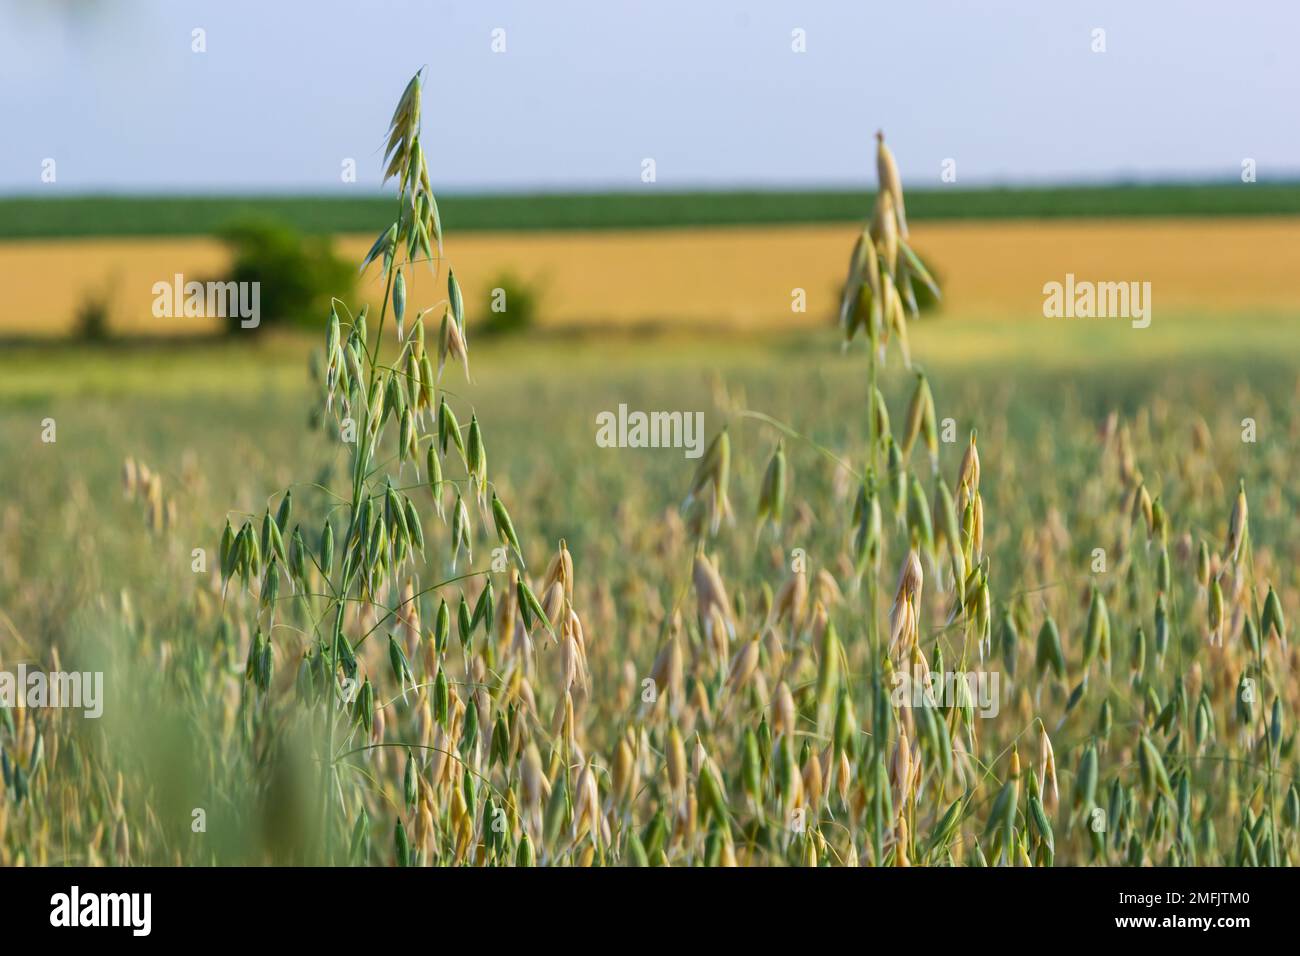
{"x": 982, "y": 591}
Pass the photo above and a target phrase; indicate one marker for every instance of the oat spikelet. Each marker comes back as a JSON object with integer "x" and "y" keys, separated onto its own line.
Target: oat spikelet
{"x": 451, "y": 342}
{"x": 783, "y": 711}
{"x": 1047, "y": 785}
{"x": 890, "y": 182}
{"x": 586, "y": 805}
{"x": 903, "y": 617}
{"x": 712, "y": 597}
{"x": 742, "y": 668}
{"x": 675, "y": 759}
{"x": 900, "y": 842}
{"x": 791, "y": 601}
{"x": 884, "y": 230}
{"x": 709, "y": 485}
{"x": 968, "y": 475}
{"x": 1238, "y": 528}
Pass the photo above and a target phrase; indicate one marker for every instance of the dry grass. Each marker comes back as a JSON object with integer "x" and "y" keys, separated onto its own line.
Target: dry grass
{"x": 736, "y": 277}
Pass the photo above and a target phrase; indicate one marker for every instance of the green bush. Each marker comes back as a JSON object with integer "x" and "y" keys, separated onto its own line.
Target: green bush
{"x": 511, "y": 305}
{"x": 94, "y": 316}
{"x": 298, "y": 274}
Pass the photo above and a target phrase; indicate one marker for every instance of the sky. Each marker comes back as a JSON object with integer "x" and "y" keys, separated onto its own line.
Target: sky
{"x": 713, "y": 91}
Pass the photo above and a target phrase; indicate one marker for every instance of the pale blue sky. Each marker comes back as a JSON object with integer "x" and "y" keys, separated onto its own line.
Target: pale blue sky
{"x": 709, "y": 88}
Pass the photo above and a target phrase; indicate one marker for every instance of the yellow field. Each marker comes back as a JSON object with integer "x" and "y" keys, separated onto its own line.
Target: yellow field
{"x": 717, "y": 278}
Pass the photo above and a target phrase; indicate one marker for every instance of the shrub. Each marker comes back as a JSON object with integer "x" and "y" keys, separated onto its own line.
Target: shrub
{"x": 93, "y": 316}
{"x": 298, "y": 274}
{"x": 511, "y": 305}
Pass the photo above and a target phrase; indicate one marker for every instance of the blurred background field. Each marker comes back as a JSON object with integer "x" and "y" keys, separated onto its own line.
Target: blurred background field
{"x": 709, "y": 277}
{"x": 31, "y": 217}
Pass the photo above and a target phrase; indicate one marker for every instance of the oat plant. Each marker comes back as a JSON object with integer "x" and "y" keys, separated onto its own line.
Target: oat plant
{"x": 360, "y": 575}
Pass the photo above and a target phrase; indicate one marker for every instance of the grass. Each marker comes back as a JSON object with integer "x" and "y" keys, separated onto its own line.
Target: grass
{"x": 239, "y": 435}
{"x": 32, "y": 217}
{"x": 471, "y": 636}
{"x": 39, "y": 370}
